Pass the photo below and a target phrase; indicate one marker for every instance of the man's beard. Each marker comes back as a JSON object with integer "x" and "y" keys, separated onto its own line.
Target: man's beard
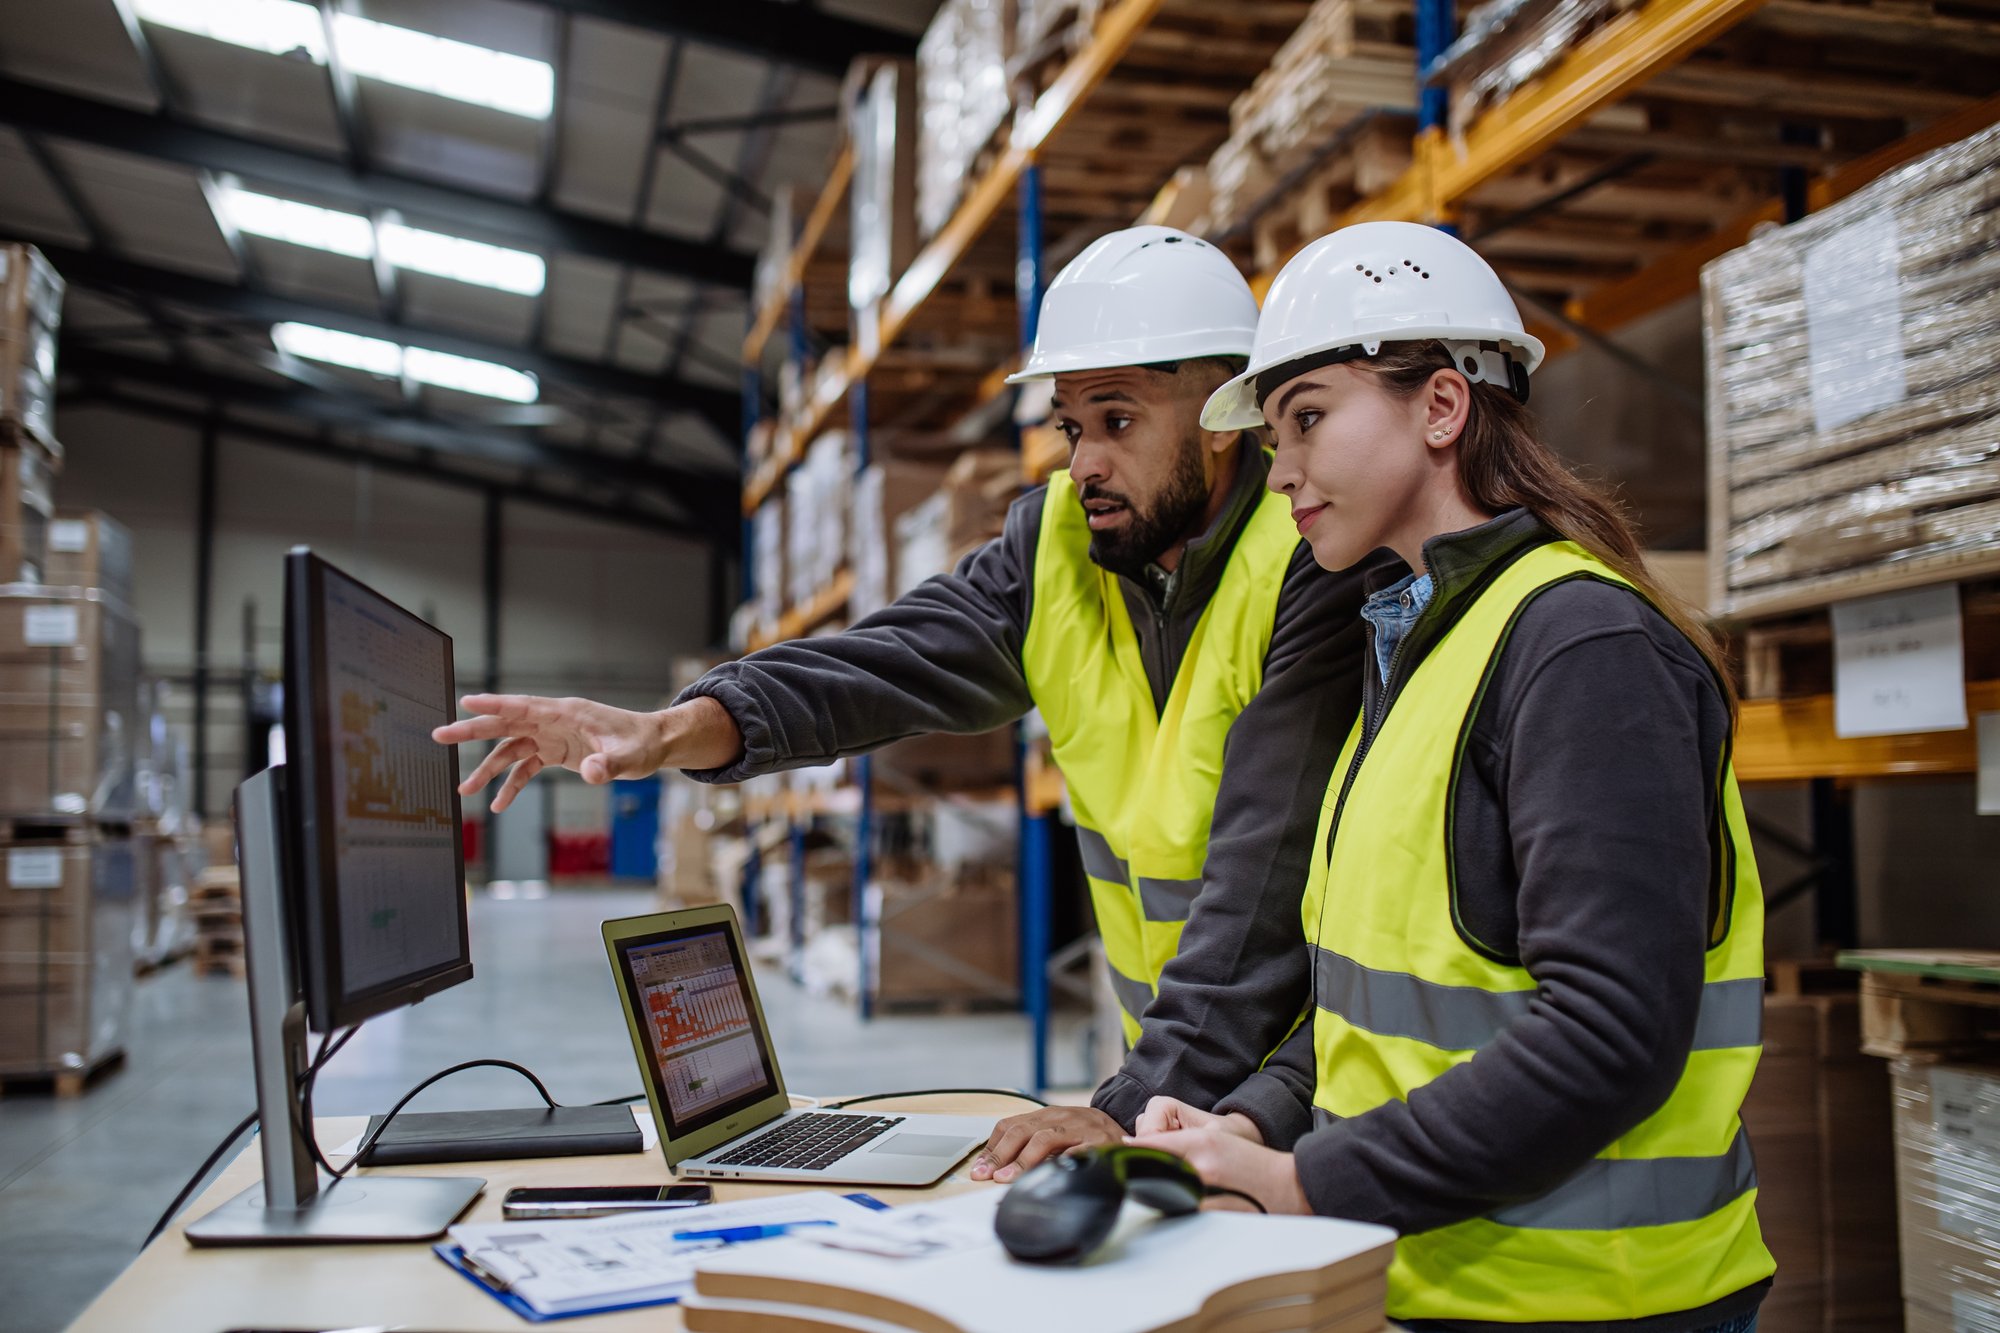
{"x": 1171, "y": 517}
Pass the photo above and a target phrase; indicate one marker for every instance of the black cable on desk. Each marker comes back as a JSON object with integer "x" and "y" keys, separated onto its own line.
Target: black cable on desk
{"x": 1212, "y": 1190}
{"x": 932, "y": 1092}
{"x": 368, "y": 1141}
{"x": 329, "y": 1046}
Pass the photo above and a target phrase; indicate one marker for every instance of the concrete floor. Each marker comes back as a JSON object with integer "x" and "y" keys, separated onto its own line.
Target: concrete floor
{"x": 82, "y": 1181}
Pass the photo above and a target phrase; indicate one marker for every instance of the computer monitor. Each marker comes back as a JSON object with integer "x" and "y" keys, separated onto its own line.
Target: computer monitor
{"x": 353, "y": 890}
{"x": 378, "y": 853}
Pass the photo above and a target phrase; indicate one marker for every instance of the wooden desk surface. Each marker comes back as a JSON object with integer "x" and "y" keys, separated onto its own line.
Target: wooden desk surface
{"x": 174, "y": 1288}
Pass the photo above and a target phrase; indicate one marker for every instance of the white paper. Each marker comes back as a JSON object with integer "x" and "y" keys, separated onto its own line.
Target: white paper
{"x": 1989, "y": 763}
{"x": 1854, "y": 321}
{"x": 34, "y": 868}
{"x": 1899, "y": 663}
{"x": 555, "y": 1266}
{"x": 49, "y": 626}
{"x": 69, "y": 536}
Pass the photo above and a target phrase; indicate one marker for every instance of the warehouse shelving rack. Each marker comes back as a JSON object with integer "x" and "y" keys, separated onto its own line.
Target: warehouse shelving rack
{"x": 1526, "y": 142}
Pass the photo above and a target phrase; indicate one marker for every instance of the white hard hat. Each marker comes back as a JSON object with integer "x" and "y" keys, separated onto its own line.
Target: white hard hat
{"x": 1138, "y": 297}
{"x": 1349, "y": 292}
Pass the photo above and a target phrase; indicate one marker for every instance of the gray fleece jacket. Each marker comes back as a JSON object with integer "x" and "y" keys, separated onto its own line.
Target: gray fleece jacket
{"x": 947, "y": 657}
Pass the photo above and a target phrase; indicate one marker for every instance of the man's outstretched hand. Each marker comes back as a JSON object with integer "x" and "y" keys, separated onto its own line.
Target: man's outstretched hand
{"x": 592, "y": 739}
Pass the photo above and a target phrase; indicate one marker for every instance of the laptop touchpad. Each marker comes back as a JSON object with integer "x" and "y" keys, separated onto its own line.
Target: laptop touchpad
{"x": 921, "y": 1145}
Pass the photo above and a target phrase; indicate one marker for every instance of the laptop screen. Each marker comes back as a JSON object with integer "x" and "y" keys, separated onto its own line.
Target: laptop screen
{"x": 708, "y": 1055}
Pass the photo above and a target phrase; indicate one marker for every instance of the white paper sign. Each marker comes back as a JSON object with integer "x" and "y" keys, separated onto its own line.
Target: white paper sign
{"x": 34, "y": 868}
{"x": 1899, "y": 664}
{"x": 49, "y": 626}
{"x": 1989, "y": 763}
{"x": 69, "y": 536}
{"x": 1854, "y": 321}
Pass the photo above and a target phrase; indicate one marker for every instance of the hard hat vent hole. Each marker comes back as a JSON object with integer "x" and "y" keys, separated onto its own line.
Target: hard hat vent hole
{"x": 1357, "y": 268}
{"x": 1378, "y": 279}
{"x": 1173, "y": 240}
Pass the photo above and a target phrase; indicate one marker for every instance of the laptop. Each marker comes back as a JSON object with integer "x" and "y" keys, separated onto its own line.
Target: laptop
{"x": 713, "y": 1081}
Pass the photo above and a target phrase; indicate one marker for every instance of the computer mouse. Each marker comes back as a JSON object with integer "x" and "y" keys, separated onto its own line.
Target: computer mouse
{"x": 1062, "y": 1210}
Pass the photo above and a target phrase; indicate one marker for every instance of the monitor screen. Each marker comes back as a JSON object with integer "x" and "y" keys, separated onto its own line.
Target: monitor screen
{"x": 708, "y": 1054}
{"x": 376, "y": 806}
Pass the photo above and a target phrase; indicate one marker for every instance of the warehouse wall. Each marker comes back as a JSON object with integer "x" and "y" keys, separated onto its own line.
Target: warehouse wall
{"x": 586, "y": 607}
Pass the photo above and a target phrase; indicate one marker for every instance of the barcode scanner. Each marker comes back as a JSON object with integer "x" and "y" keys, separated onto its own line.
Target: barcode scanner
{"x": 1062, "y": 1210}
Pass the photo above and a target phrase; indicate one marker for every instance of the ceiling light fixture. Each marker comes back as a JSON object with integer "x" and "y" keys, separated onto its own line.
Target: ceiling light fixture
{"x": 378, "y": 356}
{"x": 427, "y": 63}
{"x": 519, "y": 271}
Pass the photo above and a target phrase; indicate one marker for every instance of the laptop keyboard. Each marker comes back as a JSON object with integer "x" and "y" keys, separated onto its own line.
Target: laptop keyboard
{"x": 810, "y": 1142}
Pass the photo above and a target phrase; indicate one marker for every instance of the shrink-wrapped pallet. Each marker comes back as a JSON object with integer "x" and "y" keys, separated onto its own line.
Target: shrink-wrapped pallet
{"x": 1507, "y": 44}
{"x": 1948, "y": 1188}
{"x": 962, "y": 100}
{"x": 1854, "y": 419}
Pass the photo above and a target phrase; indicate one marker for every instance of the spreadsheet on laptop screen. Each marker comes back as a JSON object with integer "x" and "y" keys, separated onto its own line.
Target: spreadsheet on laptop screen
{"x": 700, "y": 1025}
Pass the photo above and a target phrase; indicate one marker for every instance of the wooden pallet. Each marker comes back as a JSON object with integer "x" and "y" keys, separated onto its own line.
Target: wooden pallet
{"x": 65, "y": 1084}
{"x": 1931, "y": 1004}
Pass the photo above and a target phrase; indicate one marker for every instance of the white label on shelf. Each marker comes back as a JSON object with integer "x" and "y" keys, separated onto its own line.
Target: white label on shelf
{"x": 1989, "y": 763}
{"x": 71, "y": 536}
{"x": 49, "y": 626}
{"x": 1854, "y": 321}
{"x": 1899, "y": 663}
{"x": 32, "y": 868}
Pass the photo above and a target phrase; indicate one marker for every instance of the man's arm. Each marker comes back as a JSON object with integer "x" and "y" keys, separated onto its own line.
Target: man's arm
{"x": 1229, "y": 996}
{"x": 944, "y": 657}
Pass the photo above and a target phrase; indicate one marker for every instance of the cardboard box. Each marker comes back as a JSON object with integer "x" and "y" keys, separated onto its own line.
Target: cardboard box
{"x": 978, "y": 488}
{"x": 27, "y": 500}
{"x": 67, "y": 912}
{"x": 1819, "y": 1121}
{"x": 883, "y": 493}
{"x": 1947, "y": 1129}
{"x": 69, "y": 704}
{"x": 943, "y": 937}
{"x": 31, "y": 295}
{"x": 88, "y": 549}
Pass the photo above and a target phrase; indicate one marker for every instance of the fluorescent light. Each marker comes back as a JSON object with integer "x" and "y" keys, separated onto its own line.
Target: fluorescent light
{"x": 469, "y": 376}
{"x": 378, "y": 356}
{"x": 401, "y": 56}
{"x": 302, "y": 224}
{"x": 518, "y": 271}
{"x": 279, "y": 27}
{"x": 439, "y": 65}
{"x": 374, "y": 355}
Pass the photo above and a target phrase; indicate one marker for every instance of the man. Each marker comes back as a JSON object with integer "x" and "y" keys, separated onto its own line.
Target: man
{"x": 1196, "y": 669}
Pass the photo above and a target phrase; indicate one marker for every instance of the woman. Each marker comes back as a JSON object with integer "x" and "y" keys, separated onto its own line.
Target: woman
{"x": 1535, "y": 924}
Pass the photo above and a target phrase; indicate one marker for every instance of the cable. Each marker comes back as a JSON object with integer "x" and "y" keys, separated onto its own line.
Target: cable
{"x": 328, "y": 1048}
{"x": 1212, "y": 1190}
{"x": 933, "y": 1092}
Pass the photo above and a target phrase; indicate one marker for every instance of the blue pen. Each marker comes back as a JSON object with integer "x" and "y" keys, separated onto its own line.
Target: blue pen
{"x": 731, "y": 1235}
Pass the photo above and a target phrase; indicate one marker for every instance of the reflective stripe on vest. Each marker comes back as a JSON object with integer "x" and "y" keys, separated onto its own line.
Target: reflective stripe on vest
{"x": 1663, "y": 1219}
{"x": 1142, "y": 780}
{"x": 1465, "y": 1018}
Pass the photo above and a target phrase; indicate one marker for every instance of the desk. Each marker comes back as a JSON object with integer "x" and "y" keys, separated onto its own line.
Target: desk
{"x": 174, "y": 1288}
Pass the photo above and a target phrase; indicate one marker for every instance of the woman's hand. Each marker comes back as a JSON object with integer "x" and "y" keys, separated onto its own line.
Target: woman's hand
{"x": 1222, "y": 1158}
{"x": 1163, "y": 1115}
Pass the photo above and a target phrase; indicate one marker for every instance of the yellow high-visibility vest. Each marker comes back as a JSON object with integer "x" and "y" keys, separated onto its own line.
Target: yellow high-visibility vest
{"x": 1142, "y": 782}
{"x": 1662, "y": 1220}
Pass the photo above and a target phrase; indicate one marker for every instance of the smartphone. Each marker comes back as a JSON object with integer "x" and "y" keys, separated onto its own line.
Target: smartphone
{"x": 600, "y": 1200}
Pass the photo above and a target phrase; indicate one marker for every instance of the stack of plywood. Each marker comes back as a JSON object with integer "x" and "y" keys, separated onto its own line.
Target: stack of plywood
{"x": 1854, "y": 419}
{"x": 1507, "y": 44}
{"x": 1349, "y": 57}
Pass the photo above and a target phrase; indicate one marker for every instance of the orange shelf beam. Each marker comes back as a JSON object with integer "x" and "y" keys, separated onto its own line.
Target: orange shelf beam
{"x": 1790, "y": 740}
{"x": 801, "y": 620}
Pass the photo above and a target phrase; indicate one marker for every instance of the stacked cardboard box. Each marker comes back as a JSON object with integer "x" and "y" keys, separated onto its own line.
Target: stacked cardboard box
{"x": 945, "y": 936}
{"x": 88, "y": 549}
{"x": 67, "y": 904}
{"x": 1818, "y": 1119}
{"x": 1507, "y": 44}
{"x": 69, "y": 704}
{"x": 1948, "y": 1180}
{"x": 1854, "y": 420}
{"x": 978, "y": 488}
{"x": 962, "y": 98}
{"x": 923, "y": 547}
{"x": 216, "y": 903}
{"x": 817, "y": 494}
{"x": 31, "y": 296}
{"x": 767, "y": 562}
{"x": 883, "y": 493}
{"x": 882, "y": 201}
{"x": 1349, "y": 57}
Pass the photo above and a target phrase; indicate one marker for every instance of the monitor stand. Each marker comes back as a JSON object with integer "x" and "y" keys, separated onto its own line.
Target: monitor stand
{"x": 291, "y": 1207}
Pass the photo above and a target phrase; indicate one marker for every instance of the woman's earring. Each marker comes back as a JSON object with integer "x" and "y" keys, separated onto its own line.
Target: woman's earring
{"x": 1437, "y": 435}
